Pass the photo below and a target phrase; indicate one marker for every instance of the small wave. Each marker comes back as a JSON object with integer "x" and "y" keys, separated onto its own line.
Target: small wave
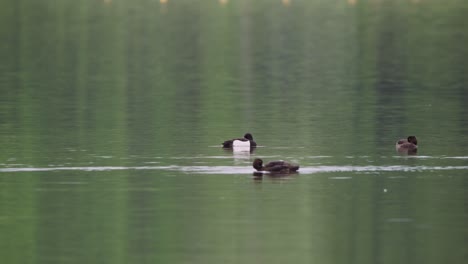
{"x": 378, "y": 168}
{"x": 428, "y": 157}
{"x": 341, "y": 178}
{"x": 240, "y": 169}
{"x": 456, "y": 157}
{"x": 97, "y": 168}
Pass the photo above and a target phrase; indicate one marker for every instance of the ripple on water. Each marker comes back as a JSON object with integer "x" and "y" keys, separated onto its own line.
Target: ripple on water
{"x": 239, "y": 169}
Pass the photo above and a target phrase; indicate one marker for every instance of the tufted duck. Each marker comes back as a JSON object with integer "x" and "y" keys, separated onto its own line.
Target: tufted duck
{"x": 246, "y": 141}
{"x": 409, "y": 145}
{"x": 275, "y": 166}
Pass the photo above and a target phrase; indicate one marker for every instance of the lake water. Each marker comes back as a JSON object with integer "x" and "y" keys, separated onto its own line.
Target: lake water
{"x": 112, "y": 115}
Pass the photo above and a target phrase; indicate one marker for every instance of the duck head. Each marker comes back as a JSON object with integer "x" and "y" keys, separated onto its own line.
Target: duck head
{"x": 248, "y": 136}
{"x": 412, "y": 139}
{"x": 258, "y": 164}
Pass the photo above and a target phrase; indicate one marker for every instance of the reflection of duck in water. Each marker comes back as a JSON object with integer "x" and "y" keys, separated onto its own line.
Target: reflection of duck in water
{"x": 240, "y": 154}
{"x": 245, "y": 142}
{"x": 275, "y": 166}
{"x": 408, "y": 146}
{"x": 258, "y": 176}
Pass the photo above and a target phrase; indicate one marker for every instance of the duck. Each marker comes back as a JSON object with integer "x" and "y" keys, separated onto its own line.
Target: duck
{"x": 279, "y": 166}
{"x": 409, "y": 145}
{"x": 246, "y": 141}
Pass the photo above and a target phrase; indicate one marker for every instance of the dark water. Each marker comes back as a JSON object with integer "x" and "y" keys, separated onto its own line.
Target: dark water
{"x": 112, "y": 114}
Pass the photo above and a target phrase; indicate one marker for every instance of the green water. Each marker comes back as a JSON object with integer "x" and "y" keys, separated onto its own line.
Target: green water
{"x": 112, "y": 114}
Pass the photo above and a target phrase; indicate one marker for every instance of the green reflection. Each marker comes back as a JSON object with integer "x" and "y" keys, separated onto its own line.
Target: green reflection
{"x": 118, "y": 83}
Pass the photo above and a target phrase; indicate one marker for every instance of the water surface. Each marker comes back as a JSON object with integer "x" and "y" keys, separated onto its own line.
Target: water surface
{"x": 112, "y": 115}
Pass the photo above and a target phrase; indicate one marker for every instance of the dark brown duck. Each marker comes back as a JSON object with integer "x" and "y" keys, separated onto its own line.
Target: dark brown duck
{"x": 275, "y": 166}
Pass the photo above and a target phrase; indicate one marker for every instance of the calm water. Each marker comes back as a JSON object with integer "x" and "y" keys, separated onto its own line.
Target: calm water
{"x": 112, "y": 114}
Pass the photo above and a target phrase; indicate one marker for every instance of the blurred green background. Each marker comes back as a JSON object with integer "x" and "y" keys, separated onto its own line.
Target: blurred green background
{"x": 99, "y": 87}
